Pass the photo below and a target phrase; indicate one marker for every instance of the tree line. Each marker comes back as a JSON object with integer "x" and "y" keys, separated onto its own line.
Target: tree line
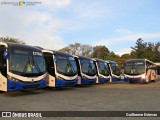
{"x": 148, "y": 50}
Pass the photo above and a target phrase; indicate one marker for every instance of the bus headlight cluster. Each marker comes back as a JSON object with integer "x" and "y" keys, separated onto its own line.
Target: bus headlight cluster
{"x": 143, "y": 76}
{"x": 83, "y": 76}
{"x": 13, "y": 79}
{"x": 60, "y": 78}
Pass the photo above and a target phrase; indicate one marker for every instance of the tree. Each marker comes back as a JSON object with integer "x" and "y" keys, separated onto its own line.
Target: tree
{"x": 140, "y": 48}
{"x": 100, "y": 52}
{"x": 9, "y": 39}
{"x": 78, "y": 49}
{"x": 86, "y": 50}
{"x": 156, "y": 51}
{"x": 146, "y": 50}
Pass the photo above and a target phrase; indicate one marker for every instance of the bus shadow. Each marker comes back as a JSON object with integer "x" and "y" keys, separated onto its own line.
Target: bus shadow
{"x": 59, "y": 89}
{"x": 85, "y": 86}
{"x": 20, "y": 93}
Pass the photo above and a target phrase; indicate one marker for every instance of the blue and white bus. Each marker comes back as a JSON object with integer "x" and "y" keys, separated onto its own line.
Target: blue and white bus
{"x": 61, "y": 68}
{"x": 115, "y": 72}
{"x": 86, "y": 70}
{"x": 139, "y": 70}
{"x": 22, "y": 67}
{"x": 103, "y": 71}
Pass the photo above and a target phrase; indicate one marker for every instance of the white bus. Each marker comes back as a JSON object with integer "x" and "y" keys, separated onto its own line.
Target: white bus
{"x": 139, "y": 70}
{"x": 86, "y": 70}
{"x": 61, "y": 68}
{"x": 103, "y": 71}
{"x": 22, "y": 67}
{"x": 115, "y": 72}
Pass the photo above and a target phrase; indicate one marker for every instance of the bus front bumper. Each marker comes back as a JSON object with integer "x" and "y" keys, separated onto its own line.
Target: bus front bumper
{"x": 65, "y": 83}
{"x": 134, "y": 80}
{"x": 86, "y": 81}
{"x": 114, "y": 79}
{"x": 103, "y": 80}
{"x": 15, "y": 86}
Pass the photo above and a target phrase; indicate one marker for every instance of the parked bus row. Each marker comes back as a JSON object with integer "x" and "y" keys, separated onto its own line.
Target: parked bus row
{"x": 24, "y": 67}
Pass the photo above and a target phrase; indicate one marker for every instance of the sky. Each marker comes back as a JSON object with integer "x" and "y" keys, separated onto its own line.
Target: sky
{"x": 54, "y": 24}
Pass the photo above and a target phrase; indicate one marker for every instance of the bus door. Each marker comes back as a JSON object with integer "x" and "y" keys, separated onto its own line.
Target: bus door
{"x": 50, "y": 69}
{"x": 3, "y": 68}
{"x": 79, "y": 70}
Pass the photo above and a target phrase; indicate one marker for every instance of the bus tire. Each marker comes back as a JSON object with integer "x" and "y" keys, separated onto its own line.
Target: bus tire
{"x": 153, "y": 80}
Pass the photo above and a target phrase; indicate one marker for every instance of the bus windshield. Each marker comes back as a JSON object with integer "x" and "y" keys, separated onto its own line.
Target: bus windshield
{"x": 88, "y": 67}
{"x": 115, "y": 69}
{"x": 26, "y": 62}
{"x": 103, "y": 68}
{"x": 66, "y": 65}
{"x": 134, "y": 68}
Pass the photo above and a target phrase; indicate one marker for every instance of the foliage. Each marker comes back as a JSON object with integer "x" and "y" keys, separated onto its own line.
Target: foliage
{"x": 78, "y": 49}
{"x": 146, "y": 50}
{"x": 100, "y": 52}
{"x": 141, "y": 49}
{"x": 9, "y": 39}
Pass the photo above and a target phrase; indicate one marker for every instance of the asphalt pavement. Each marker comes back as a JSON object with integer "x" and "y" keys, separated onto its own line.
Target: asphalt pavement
{"x": 118, "y": 96}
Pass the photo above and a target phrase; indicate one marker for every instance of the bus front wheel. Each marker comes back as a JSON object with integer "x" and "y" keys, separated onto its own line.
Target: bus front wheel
{"x": 131, "y": 82}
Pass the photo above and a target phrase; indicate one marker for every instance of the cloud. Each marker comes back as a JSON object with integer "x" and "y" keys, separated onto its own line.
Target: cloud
{"x": 32, "y": 26}
{"x": 123, "y": 51}
{"x": 128, "y": 37}
{"x": 91, "y": 10}
{"x": 56, "y": 3}
{"x": 123, "y": 31}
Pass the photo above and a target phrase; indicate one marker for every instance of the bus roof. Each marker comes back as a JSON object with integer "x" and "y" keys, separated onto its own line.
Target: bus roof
{"x": 141, "y": 59}
{"x": 18, "y": 45}
{"x": 54, "y": 52}
{"x": 110, "y": 61}
{"x": 100, "y": 60}
{"x": 61, "y": 53}
{"x": 83, "y": 57}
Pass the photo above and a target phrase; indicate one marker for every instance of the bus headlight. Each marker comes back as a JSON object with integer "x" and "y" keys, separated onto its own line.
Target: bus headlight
{"x": 58, "y": 77}
{"x": 143, "y": 76}
{"x": 84, "y": 76}
{"x": 13, "y": 79}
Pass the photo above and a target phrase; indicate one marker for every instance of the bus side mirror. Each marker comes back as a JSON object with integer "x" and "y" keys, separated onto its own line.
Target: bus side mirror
{"x": 55, "y": 59}
{"x": 5, "y": 54}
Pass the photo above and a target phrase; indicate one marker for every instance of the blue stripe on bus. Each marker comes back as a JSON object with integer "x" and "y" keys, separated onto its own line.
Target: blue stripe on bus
{"x": 134, "y": 80}
{"x": 103, "y": 80}
{"x": 86, "y": 81}
{"x": 63, "y": 83}
{"x": 13, "y": 86}
{"x": 114, "y": 79}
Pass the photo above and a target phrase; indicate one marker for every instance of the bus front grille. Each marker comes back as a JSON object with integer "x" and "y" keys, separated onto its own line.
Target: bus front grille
{"x": 70, "y": 84}
{"x": 30, "y": 86}
{"x": 91, "y": 82}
